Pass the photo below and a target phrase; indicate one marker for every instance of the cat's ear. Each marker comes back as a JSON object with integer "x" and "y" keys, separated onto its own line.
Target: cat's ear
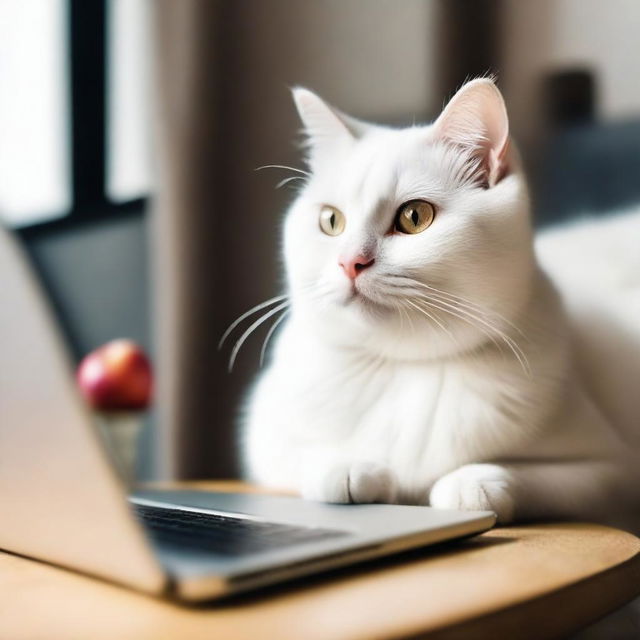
{"x": 325, "y": 127}
{"x": 476, "y": 119}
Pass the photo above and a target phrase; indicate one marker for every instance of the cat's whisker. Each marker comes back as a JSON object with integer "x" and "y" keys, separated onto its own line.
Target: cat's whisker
{"x": 470, "y": 309}
{"x": 488, "y": 314}
{"x": 251, "y": 329}
{"x": 452, "y": 297}
{"x": 400, "y": 310}
{"x": 432, "y": 317}
{"x": 448, "y": 333}
{"x": 490, "y": 329}
{"x": 409, "y": 320}
{"x": 313, "y": 289}
{"x": 469, "y": 319}
{"x": 508, "y": 340}
{"x": 282, "y": 183}
{"x": 271, "y": 331}
{"x": 258, "y": 307}
{"x": 248, "y": 313}
{"x": 413, "y": 329}
{"x": 465, "y": 302}
{"x": 282, "y": 166}
{"x": 476, "y": 312}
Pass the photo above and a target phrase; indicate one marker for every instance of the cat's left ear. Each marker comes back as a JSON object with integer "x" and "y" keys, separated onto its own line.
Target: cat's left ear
{"x": 325, "y": 127}
{"x": 476, "y": 119}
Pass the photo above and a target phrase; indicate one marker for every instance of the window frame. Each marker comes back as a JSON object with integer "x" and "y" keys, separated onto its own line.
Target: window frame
{"x": 88, "y": 61}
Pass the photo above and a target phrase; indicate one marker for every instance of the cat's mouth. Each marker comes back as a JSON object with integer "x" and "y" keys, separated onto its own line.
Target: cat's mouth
{"x": 355, "y": 295}
{"x": 358, "y": 297}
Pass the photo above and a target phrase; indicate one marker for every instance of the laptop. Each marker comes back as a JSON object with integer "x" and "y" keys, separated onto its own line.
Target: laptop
{"x": 63, "y": 502}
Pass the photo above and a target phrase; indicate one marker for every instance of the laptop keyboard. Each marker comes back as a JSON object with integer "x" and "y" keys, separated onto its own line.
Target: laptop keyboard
{"x": 224, "y": 534}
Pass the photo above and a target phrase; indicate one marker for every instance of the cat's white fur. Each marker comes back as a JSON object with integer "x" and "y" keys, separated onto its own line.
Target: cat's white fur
{"x": 452, "y": 372}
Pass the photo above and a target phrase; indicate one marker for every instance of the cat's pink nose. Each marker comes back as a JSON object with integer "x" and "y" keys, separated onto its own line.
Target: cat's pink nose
{"x": 355, "y": 265}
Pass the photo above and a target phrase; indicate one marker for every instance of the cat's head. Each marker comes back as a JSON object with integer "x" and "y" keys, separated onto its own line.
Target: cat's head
{"x": 410, "y": 242}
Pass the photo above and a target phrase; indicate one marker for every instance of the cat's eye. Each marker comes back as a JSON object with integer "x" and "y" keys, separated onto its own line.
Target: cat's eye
{"x": 414, "y": 216}
{"x": 332, "y": 221}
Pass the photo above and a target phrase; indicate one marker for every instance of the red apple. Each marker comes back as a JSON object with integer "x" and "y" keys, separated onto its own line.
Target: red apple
{"x": 116, "y": 377}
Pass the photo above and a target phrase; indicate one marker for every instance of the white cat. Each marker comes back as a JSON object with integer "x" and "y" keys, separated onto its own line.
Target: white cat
{"x": 426, "y": 357}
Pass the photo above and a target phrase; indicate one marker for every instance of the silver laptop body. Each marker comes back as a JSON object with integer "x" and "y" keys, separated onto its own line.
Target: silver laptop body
{"x": 61, "y": 500}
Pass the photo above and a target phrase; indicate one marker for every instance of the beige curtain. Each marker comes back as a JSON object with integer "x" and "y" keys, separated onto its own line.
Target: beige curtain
{"x": 186, "y": 242}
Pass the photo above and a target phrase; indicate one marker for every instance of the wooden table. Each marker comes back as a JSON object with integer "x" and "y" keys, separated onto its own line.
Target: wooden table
{"x": 535, "y": 581}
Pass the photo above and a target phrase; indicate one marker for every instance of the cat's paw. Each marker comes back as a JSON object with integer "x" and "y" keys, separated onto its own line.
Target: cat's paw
{"x": 372, "y": 482}
{"x": 359, "y": 482}
{"x": 484, "y": 487}
{"x": 326, "y": 483}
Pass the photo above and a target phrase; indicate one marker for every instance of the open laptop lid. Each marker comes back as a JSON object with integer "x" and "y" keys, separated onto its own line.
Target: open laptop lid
{"x": 60, "y": 500}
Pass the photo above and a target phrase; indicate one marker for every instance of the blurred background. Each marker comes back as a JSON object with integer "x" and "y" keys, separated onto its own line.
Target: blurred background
{"x": 130, "y": 131}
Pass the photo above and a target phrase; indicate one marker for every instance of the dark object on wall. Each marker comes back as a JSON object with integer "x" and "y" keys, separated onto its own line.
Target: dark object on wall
{"x": 570, "y": 97}
{"x": 469, "y": 41}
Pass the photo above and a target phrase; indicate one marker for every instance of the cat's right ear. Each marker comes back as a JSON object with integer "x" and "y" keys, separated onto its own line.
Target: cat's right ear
{"x": 326, "y": 129}
{"x": 476, "y": 119}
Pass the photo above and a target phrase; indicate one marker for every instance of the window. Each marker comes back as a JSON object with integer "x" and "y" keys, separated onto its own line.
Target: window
{"x": 34, "y": 123}
{"x": 128, "y": 112}
{"x": 74, "y": 114}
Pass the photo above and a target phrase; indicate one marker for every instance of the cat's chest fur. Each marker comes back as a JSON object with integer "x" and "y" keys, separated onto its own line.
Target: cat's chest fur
{"x": 357, "y": 406}
{"x": 367, "y": 403}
